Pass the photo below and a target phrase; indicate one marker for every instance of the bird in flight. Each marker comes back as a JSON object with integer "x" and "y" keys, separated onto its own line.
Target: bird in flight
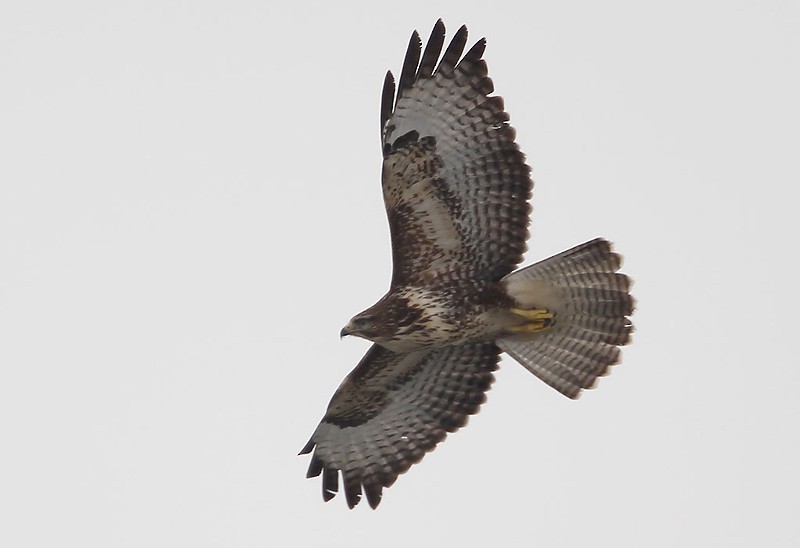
{"x": 457, "y": 189}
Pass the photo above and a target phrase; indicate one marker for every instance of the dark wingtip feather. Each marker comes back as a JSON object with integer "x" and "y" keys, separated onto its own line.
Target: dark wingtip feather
{"x": 387, "y": 100}
{"x": 374, "y": 493}
{"x": 432, "y": 51}
{"x": 307, "y": 447}
{"x": 476, "y": 51}
{"x": 330, "y": 483}
{"x": 314, "y": 467}
{"x": 475, "y": 66}
{"x": 352, "y": 490}
{"x": 454, "y": 50}
{"x": 410, "y": 64}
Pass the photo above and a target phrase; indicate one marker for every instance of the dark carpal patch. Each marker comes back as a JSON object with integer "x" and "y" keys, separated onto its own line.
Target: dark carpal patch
{"x": 402, "y": 142}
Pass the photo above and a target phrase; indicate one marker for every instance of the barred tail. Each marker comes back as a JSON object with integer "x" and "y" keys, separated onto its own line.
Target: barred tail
{"x": 590, "y": 301}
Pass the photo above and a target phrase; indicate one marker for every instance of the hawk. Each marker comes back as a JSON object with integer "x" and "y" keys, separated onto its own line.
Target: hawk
{"x": 456, "y": 189}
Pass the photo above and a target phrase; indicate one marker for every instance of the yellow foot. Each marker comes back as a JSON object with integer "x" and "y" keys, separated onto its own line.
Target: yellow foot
{"x": 539, "y": 320}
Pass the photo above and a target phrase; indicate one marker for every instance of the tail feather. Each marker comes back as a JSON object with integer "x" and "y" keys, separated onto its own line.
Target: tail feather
{"x": 613, "y": 281}
{"x": 616, "y": 331}
{"x": 590, "y": 257}
{"x": 579, "y": 362}
{"x": 590, "y": 301}
{"x": 567, "y": 370}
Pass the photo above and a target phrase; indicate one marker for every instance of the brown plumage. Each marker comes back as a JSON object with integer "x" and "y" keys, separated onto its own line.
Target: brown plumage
{"x": 456, "y": 190}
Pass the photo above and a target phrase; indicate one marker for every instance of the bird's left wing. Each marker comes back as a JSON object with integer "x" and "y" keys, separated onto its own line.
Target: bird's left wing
{"x": 391, "y": 410}
{"x": 455, "y": 184}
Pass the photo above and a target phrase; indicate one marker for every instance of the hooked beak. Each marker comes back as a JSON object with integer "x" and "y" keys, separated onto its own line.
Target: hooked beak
{"x": 346, "y": 330}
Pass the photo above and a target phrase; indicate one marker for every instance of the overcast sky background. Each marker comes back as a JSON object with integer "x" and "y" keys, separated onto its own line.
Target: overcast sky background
{"x": 190, "y": 211}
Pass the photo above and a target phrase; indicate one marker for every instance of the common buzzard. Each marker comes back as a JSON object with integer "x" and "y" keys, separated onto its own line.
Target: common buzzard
{"x": 456, "y": 190}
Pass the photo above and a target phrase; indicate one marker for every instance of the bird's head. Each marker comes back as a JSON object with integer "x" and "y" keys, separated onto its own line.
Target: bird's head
{"x": 389, "y": 322}
{"x": 362, "y": 325}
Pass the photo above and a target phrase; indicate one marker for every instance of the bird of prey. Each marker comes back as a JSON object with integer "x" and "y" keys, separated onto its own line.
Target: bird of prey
{"x": 456, "y": 189}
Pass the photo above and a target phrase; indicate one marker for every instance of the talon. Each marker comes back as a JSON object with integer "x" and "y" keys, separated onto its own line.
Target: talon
{"x": 533, "y": 314}
{"x": 539, "y": 320}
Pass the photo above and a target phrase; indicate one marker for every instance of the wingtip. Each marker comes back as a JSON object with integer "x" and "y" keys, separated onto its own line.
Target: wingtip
{"x": 374, "y": 493}
{"x": 415, "y": 40}
{"x": 352, "y": 499}
{"x": 307, "y": 447}
{"x": 476, "y": 52}
{"x": 454, "y": 50}
{"x": 330, "y": 483}
{"x": 315, "y": 468}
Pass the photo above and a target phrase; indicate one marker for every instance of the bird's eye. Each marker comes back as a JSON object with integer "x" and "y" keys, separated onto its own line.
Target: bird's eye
{"x": 362, "y": 321}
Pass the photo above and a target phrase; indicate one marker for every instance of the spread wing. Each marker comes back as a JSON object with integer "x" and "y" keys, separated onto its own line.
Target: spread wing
{"x": 391, "y": 410}
{"x": 455, "y": 184}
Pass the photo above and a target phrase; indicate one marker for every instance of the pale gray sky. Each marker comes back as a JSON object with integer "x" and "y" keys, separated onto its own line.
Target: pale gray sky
{"x": 190, "y": 211}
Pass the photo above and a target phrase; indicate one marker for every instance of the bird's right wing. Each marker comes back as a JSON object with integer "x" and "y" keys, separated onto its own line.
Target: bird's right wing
{"x": 391, "y": 410}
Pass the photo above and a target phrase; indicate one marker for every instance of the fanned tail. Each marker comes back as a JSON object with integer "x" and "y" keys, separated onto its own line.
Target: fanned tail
{"x": 591, "y": 303}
